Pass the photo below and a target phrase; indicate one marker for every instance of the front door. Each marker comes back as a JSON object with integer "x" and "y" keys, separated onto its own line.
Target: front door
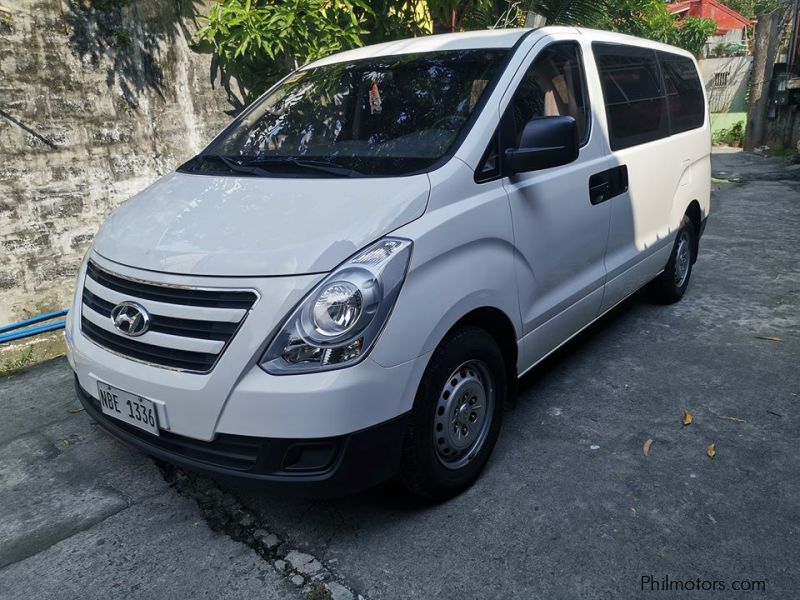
{"x": 559, "y": 232}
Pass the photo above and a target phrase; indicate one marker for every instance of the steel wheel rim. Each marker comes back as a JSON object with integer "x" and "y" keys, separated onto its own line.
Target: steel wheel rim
{"x": 683, "y": 257}
{"x": 463, "y": 416}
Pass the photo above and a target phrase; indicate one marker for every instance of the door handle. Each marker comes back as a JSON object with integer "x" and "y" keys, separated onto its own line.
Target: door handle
{"x": 607, "y": 184}
{"x": 598, "y": 191}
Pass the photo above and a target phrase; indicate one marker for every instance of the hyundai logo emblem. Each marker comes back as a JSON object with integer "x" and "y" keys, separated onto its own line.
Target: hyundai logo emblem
{"x": 130, "y": 318}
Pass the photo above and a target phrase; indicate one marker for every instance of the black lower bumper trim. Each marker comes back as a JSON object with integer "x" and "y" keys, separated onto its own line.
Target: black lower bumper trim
{"x": 335, "y": 466}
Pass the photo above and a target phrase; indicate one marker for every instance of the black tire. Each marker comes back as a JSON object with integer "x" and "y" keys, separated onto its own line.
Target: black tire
{"x": 472, "y": 355}
{"x": 670, "y": 286}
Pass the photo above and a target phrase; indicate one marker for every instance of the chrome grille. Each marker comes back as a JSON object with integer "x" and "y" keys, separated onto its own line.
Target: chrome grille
{"x": 189, "y": 328}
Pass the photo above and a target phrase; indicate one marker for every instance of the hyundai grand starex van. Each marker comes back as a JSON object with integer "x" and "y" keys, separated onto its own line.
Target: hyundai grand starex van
{"x": 345, "y": 285}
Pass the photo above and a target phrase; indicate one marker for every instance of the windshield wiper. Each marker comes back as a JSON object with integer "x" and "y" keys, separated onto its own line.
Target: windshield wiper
{"x": 256, "y": 166}
{"x": 313, "y": 164}
{"x": 235, "y": 166}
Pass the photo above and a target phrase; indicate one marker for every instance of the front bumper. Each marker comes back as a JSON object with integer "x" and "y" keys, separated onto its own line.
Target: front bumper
{"x": 333, "y": 466}
{"x": 237, "y": 397}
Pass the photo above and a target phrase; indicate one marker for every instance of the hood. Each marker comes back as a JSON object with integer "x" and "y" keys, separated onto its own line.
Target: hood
{"x": 253, "y": 226}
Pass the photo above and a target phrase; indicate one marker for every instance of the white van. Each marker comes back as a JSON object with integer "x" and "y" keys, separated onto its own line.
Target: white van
{"x": 345, "y": 285}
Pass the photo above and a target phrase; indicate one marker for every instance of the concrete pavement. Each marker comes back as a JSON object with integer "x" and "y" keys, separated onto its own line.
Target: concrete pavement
{"x": 85, "y": 517}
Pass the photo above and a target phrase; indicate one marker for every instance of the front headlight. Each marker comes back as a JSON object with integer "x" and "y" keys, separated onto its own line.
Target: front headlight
{"x": 338, "y": 322}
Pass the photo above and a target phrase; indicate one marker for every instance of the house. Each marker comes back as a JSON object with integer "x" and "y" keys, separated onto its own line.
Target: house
{"x": 732, "y": 27}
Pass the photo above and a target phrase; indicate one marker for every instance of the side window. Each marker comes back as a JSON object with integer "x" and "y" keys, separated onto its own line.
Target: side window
{"x": 687, "y": 109}
{"x": 554, "y": 85}
{"x": 636, "y": 107}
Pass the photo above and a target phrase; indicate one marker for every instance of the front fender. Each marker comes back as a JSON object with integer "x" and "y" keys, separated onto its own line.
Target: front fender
{"x": 463, "y": 259}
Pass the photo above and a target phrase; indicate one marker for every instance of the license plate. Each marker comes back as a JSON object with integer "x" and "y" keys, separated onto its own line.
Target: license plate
{"x": 130, "y": 408}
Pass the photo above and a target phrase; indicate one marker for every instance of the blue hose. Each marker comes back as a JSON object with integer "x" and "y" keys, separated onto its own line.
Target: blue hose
{"x": 18, "y": 332}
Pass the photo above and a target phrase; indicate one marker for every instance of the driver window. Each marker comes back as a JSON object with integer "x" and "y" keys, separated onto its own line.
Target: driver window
{"x": 553, "y": 86}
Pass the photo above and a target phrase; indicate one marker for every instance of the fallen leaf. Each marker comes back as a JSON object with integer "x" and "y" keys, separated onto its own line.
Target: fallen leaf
{"x": 687, "y": 417}
{"x": 74, "y": 411}
{"x": 769, "y": 338}
{"x": 711, "y": 451}
{"x": 66, "y": 442}
{"x": 779, "y": 301}
{"x": 737, "y": 419}
{"x": 646, "y": 447}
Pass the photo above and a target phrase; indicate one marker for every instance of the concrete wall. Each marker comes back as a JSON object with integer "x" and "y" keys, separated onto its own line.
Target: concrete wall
{"x": 97, "y": 99}
{"x": 731, "y": 97}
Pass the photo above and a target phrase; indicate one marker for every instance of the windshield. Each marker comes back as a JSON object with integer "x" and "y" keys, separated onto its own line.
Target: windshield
{"x": 390, "y": 115}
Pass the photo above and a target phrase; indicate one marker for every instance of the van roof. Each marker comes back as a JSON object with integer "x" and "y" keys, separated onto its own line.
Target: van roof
{"x": 489, "y": 38}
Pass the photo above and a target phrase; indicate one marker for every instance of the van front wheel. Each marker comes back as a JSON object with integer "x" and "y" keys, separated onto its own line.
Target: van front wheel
{"x": 670, "y": 286}
{"x": 457, "y": 415}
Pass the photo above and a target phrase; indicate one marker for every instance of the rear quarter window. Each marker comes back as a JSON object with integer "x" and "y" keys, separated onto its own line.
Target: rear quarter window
{"x": 685, "y": 102}
{"x": 636, "y": 106}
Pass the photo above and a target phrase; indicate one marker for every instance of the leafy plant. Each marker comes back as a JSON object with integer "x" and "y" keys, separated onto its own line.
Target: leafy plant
{"x": 6, "y": 20}
{"x": 396, "y": 19}
{"x": 736, "y": 133}
{"x": 318, "y": 592}
{"x": 693, "y": 33}
{"x": 651, "y": 19}
{"x": 484, "y": 14}
{"x": 735, "y": 49}
{"x": 733, "y": 136}
{"x": 17, "y": 363}
{"x": 720, "y": 136}
{"x": 753, "y": 8}
{"x": 257, "y": 41}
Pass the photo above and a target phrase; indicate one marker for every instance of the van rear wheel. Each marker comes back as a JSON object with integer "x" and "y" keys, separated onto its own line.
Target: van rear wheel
{"x": 670, "y": 286}
{"x": 458, "y": 411}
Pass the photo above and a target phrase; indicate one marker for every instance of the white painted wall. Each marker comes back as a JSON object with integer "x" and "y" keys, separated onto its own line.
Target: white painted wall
{"x": 731, "y": 96}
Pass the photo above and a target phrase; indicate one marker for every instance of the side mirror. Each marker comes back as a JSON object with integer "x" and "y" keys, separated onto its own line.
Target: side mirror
{"x": 546, "y": 142}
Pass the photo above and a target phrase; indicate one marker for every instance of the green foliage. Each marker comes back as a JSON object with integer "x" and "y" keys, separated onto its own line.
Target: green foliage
{"x": 257, "y": 41}
{"x": 449, "y": 15}
{"x": 18, "y": 363}
{"x": 692, "y": 33}
{"x": 318, "y": 592}
{"x": 643, "y": 18}
{"x": 719, "y": 136}
{"x": 730, "y": 137}
{"x": 570, "y": 12}
{"x": 121, "y": 38}
{"x": 753, "y": 8}
{"x": 394, "y": 19}
{"x": 737, "y": 131}
{"x": 651, "y": 19}
{"x": 735, "y": 49}
{"x": 720, "y": 50}
{"x": 511, "y": 13}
